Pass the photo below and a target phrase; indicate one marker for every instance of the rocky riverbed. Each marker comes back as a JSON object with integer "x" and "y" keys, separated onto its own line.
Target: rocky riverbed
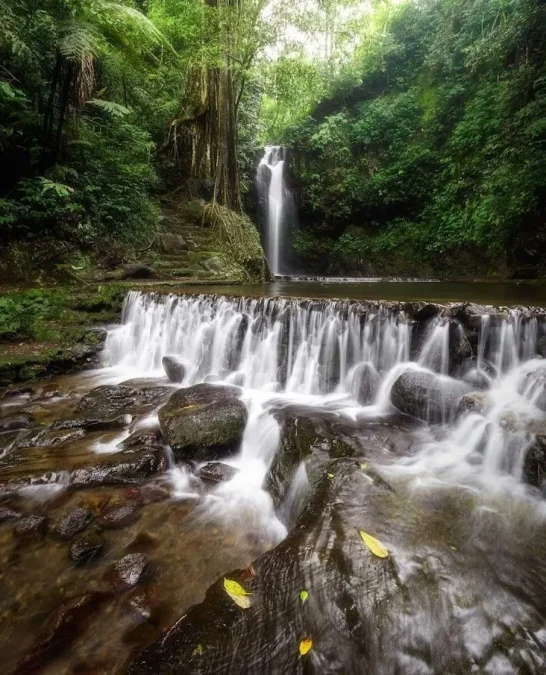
{"x": 125, "y": 502}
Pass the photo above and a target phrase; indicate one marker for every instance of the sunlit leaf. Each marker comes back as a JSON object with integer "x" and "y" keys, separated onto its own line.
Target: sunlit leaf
{"x": 330, "y": 475}
{"x": 303, "y": 596}
{"x": 375, "y": 546}
{"x": 363, "y": 466}
{"x": 198, "y": 651}
{"x": 237, "y": 593}
{"x": 305, "y": 646}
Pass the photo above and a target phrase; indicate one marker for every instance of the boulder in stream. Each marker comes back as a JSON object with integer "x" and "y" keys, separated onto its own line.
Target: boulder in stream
{"x": 204, "y": 422}
{"x": 428, "y": 397}
{"x": 86, "y": 548}
{"x": 75, "y": 522}
{"x": 174, "y": 368}
{"x": 217, "y": 472}
{"x": 15, "y": 422}
{"x": 131, "y": 570}
{"x": 31, "y": 526}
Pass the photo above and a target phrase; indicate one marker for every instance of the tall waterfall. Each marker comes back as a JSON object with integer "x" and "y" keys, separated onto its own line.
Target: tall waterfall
{"x": 276, "y": 200}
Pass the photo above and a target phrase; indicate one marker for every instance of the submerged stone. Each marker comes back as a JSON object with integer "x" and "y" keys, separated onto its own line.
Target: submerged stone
{"x": 76, "y": 521}
{"x": 86, "y": 548}
{"x": 31, "y": 525}
{"x": 130, "y": 570}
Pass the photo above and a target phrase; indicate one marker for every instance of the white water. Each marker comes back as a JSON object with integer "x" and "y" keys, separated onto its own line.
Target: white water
{"x": 313, "y": 353}
{"x": 270, "y": 181}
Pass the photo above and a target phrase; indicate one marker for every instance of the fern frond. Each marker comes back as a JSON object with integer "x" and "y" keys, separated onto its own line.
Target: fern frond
{"x": 78, "y": 40}
{"x": 115, "y": 109}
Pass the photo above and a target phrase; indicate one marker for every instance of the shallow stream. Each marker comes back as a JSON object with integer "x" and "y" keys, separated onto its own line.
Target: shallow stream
{"x": 421, "y": 424}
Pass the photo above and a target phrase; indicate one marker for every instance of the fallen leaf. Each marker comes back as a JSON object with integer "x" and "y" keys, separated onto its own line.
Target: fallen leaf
{"x": 305, "y": 646}
{"x": 198, "y": 651}
{"x": 303, "y": 596}
{"x": 375, "y": 546}
{"x": 237, "y": 593}
{"x": 330, "y": 475}
{"x": 363, "y": 466}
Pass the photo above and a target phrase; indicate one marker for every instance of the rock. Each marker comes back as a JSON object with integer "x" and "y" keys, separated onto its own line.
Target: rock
{"x": 341, "y": 609}
{"x": 203, "y": 422}
{"x": 119, "y": 515}
{"x": 460, "y": 349}
{"x": 366, "y": 381}
{"x": 60, "y": 630}
{"x": 475, "y": 402}
{"x": 122, "y": 468}
{"x": 541, "y": 347}
{"x": 8, "y": 514}
{"x": 171, "y": 243}
{"x": 45, "y": 437}
{"x": 174, "y": 368}
{"x": 94, "y": 424}
{"x": 428, "y": 397}
{"x": 75, "y": 522}
{"x": 14, "y": 422}
{"x": 533, "y": 387}
{"x": 130, "y": 570}
{"x": 86, "y": 548}
{"x": 534, "y": 464}
{"x": 31, "y": 525}
{"x": 217, "y": 472}
{"x": 137, "y": 271}
{"x": 138, "y": 603}
{"x": 315, "y": 438}
{"x": 148, "y": 437}
{"x": 215, "y": 265}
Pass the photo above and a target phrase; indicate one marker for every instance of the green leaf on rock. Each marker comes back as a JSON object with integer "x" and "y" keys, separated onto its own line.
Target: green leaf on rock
{"x": 374, "y": 545}
{"x": 303, "y": 596}
{"x": 237, "y": 593}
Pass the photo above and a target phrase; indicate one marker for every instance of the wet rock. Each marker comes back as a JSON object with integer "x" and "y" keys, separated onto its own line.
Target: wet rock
{"x": 460, "y": 349}
{"x": 217, "y": 472}
{"x": 122, "y": 468}
{"x": 31, "y": 525}
{"x": 534, "y": 464}
{"x": 119, "y": 515}
{"x": 86, "y": 548}
{"x": 203, "y": 422}
{"x": 174, "y": 368}
{"x": 138, "y": 603}
{"x": 45, "y": 437}
{"x": 366, "y": 383}
{"x": 533, "y": 387}
{"x": 137, "y": 271}
{"x": 475, "y": 402}
{"x": 341, "y": 608}
{"x": 315, "y": 438}
{"x": 131, "y": 570}
{"x": 14, "y": 422}
{"x": 148, "y": 436}
{"x": 94, "y": 424}
{"x": 60, "y": 630}
{"x": 428, "y": 397}
{"x": 75, "y": 522}
{"x": 8, "y": 514}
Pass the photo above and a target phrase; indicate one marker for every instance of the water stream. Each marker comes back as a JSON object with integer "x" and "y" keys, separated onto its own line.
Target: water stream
{"x": 464, "y": 518}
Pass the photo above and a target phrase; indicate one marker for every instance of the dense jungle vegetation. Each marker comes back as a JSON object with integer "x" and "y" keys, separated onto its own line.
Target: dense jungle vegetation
{"x": 418, "y": 128}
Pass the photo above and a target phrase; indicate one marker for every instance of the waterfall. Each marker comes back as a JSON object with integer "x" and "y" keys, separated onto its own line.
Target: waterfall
{"x": 347, "y": 356}
{"x": 275, "y": 198}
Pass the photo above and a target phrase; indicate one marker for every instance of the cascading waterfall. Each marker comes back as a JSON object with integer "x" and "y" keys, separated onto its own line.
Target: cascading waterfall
{"x": 275, "y": 197}
{"x": 347, "y": 356}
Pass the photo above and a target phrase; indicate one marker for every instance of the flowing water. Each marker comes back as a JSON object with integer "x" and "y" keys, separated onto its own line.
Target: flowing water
{"x": 461, "y": 495}
{"x": 276, "y": 200}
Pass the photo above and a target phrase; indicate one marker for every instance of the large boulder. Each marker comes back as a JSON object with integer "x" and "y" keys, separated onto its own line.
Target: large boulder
{"x": 428, "y": 397}
{"x": 204, "y": 422}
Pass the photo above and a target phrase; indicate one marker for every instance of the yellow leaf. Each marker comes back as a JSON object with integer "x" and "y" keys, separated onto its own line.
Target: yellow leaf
{"x": 237, "y": 593}
{"x": 303, "y": 596}
{"x": 198, "y": 651}
{"x": 330, "y": 475}
{"x": 375, "y": 546}
{"x": 305, "y": 646}
{"x": 363, "y": 466}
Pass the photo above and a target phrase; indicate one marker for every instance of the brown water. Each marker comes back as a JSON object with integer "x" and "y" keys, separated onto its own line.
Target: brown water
{"x": 491, "y": 293}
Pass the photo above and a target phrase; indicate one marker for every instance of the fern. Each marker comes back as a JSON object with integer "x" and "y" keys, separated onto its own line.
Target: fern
{"x": 114, "y": 109}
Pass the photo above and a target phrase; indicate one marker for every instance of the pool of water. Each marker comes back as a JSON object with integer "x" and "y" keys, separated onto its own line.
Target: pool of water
{"x": 492, "y": 293}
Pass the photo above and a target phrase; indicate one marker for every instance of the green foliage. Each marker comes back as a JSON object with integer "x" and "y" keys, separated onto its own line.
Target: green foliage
{"x": 22, "y": 315}
{"x": 432, "y": 140}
